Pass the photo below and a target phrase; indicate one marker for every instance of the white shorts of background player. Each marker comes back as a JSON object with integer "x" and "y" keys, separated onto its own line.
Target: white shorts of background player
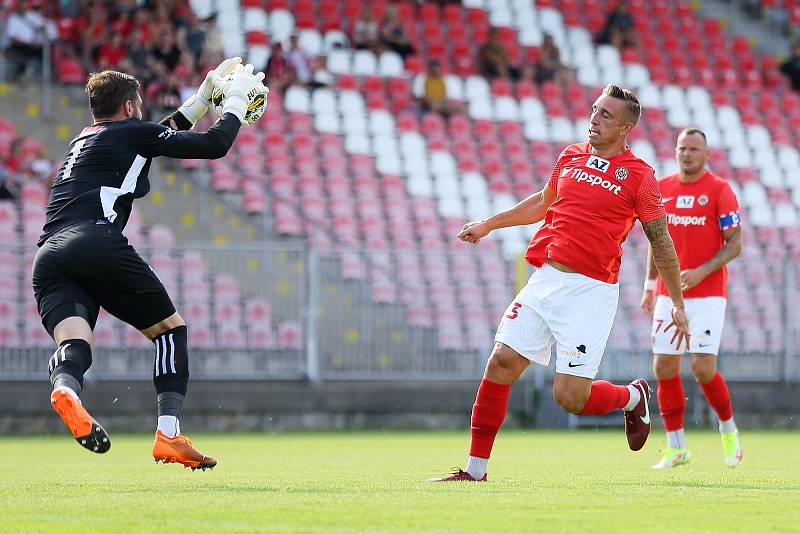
{"x": 706, "y": 318}
{"x": 569, "y": 309}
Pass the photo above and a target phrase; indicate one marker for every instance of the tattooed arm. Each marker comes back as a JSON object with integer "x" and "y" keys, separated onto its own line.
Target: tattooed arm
{"x": 666, "y": 261}
{"x": 665, "y": 258}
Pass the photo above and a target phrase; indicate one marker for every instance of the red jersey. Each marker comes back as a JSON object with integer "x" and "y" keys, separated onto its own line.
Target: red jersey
{"x": 597, "y": 202}
{"x": 697, "y": 214}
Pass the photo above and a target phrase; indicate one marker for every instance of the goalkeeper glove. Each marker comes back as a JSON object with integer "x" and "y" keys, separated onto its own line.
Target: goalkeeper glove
{"x": 243, "y": 87}
{"x": 196, "y": 106}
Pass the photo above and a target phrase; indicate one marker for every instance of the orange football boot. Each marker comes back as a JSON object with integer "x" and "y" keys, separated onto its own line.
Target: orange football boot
{"x": 86, "y": 431}
{"x": 180, "y": 450}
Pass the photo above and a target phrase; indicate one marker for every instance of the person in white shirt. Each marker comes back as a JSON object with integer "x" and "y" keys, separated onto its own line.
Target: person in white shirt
{"x": 300, "y": 60}
{"x": 26, "y": 30}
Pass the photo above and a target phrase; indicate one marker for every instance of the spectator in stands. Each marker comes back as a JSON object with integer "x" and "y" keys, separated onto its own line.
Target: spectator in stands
{"x": 9, "y": 185}
{"x": 94, "y": 35}
{"x": 493, "y": 59}
{"x": 167, "y": 51}
{"x": 112, "y": 54}
{"x": 365, "y": 30}
{"x": 393, "y": 35}
{"x": 320, "y": 76}
{"x": 278, "y": 70}
{"x": 619, "y": 29}
{"x": 434, "y": 97}
{"x": 192, "y": 35}
{"x": 791, "y": 67}
{"x": 549, "y": 66}
{"x": 26, "y": 30}
{"x": 300, "y": 61}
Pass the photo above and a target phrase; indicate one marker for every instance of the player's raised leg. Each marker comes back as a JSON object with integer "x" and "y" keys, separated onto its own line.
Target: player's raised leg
{"x": 672, "y": 405}
{"x": 171, "y": 380}
{"x": 715, "y": 389}
{"x": 504, "y": 367}
{"x": 67, "y": 365}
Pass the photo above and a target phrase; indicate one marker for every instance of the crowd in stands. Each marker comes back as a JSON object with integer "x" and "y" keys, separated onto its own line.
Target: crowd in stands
{"x": 22, "y": 160}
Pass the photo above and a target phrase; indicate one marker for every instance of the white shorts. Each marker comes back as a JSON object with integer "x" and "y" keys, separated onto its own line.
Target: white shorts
{"x": 572, "y": 310}
{"x": 706, "y": 318}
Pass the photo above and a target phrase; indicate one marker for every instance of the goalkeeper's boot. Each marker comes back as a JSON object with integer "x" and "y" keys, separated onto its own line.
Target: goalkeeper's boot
{"x": 180, "y": 450}
{"x": 458, "y": 475}
{"x": 86, "y": 431}
{"x": 731, "y": 448}
{"x": 673, "y": 458}
{"x": 637, "y": 421}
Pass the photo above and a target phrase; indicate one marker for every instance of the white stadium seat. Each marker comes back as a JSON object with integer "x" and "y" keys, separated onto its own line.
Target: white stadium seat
{"x": 608, "y": 56}
{"x": 389, "y": 164}
{"x": 649, "y": 96}
{"x": 310, "y": 41}
{"x": 412, "y": 145}
{"x": 506, "y": 109}
{"x": 501, "y": 18}
{"x": 636, "y": 75}
{"x": 473, "y": 185}
{"x": 673, "y": 96}
{"x": 479, "y": 4}
{"x": 385, "y": 145}
{"x": 537, "y": 130}
{"x": 281, "y": 25}
{"x": 381, "y": 122}
{"x": 297, "y": 99}
{"x": 478, "y": 208}
{"x": 758, "y": 136}
{"x": 327, "y": 123}
{"x": 789, "y": 158}
{"x": 412, "y": 166}
{"x": 323, "y": 101}
{"x": 258, "y": 55}
{"x": 351, "y": 102}
{"x": 531, "y": 109}
{"x": 454, "y": 86}
{"x": 255, "y": 20}
{"x": 334, "y": 39}
{"x": 420, "y": 185}
{"x": 480, "y": 109}
{"x": 443, "y": 164}
{"x": 588, "y": 75}
{"x": 364, "y": 63}
{"x": 785, "y": 215}
{"x": 339, "y": 61}
{"x": 390, "y": 64}
{"x": 476, "y": 87}
{"x": 418, "y": 86}
{"x": 451, "y": 207}
{"x": 678, "y": 117}
{"x": 357, "y": 144}
{"x": 562, "y": 130}
{"x": 355, "y": 124}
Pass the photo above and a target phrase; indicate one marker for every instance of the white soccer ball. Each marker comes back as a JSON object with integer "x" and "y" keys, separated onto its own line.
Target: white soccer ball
{"x": 256, "y": 104}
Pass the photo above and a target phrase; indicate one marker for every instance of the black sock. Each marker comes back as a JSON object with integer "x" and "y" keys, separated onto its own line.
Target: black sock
{"x": 169, "y": 403}
{"x": 69, "y": 362}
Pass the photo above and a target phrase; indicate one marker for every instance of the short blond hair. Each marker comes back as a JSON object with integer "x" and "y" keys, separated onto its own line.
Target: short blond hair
{"x": 631, "y": 102}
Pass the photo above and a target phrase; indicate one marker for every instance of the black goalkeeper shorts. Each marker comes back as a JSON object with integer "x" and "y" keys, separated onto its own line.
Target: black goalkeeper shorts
{"x": 89, "y": 266}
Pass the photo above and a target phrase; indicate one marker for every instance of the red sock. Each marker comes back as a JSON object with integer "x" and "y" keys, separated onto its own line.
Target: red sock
{"x": 716, "y": 392}
{"x": 605, "y": 397}
{"x": 671, "y": 403}
{"x": 488, "y": 414}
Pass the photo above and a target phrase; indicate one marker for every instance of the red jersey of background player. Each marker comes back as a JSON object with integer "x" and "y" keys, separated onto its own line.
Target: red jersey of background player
{"x": 597, "y": 202}
{"x": 697, "y": 214}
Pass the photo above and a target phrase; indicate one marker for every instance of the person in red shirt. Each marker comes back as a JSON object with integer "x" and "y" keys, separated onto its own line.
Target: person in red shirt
{"x": 704, "y": 222}
{"x": 596, "y": 192}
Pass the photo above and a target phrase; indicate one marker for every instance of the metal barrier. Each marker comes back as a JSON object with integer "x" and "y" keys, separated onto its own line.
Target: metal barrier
{"x": 330, "y": 320}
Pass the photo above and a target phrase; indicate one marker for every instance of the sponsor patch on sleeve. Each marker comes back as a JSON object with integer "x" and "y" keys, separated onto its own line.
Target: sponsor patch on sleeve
{"x": 731, "y": 220}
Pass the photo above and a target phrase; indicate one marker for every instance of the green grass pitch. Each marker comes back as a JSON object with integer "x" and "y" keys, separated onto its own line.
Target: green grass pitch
{"x": 582, "y": 481}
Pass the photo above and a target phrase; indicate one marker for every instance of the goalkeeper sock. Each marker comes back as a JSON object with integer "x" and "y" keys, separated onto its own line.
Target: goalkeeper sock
{"x": 169, "y": 425}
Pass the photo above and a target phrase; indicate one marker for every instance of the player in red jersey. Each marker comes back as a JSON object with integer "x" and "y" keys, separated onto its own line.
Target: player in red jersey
{"x": 704, "y": 222}
{"x": 596, "y": 192}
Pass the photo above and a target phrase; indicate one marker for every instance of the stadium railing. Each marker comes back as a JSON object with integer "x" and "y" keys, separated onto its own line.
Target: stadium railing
{"x": 283, "y": 311}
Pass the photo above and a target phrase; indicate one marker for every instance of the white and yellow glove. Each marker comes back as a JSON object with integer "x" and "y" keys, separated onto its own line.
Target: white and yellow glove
{"x": 243, "y": 88}
{"x": 196, "y": 106}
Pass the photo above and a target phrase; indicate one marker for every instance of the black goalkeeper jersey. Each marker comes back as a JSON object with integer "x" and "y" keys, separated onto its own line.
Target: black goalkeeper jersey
{"x": 106, "y": 166}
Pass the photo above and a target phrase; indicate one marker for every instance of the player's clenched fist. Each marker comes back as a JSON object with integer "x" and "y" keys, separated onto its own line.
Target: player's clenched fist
{"x": 474, "y": 231}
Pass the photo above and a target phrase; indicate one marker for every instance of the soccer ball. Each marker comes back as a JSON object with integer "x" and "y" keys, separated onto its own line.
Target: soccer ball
{"x": 256, "y": 104}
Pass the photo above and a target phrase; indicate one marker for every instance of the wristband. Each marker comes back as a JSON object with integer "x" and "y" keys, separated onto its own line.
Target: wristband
{"x": 650, "y": 284}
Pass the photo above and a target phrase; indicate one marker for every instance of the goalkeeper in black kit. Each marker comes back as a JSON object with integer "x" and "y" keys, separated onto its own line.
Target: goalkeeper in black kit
{"x": 84, "y": 261}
